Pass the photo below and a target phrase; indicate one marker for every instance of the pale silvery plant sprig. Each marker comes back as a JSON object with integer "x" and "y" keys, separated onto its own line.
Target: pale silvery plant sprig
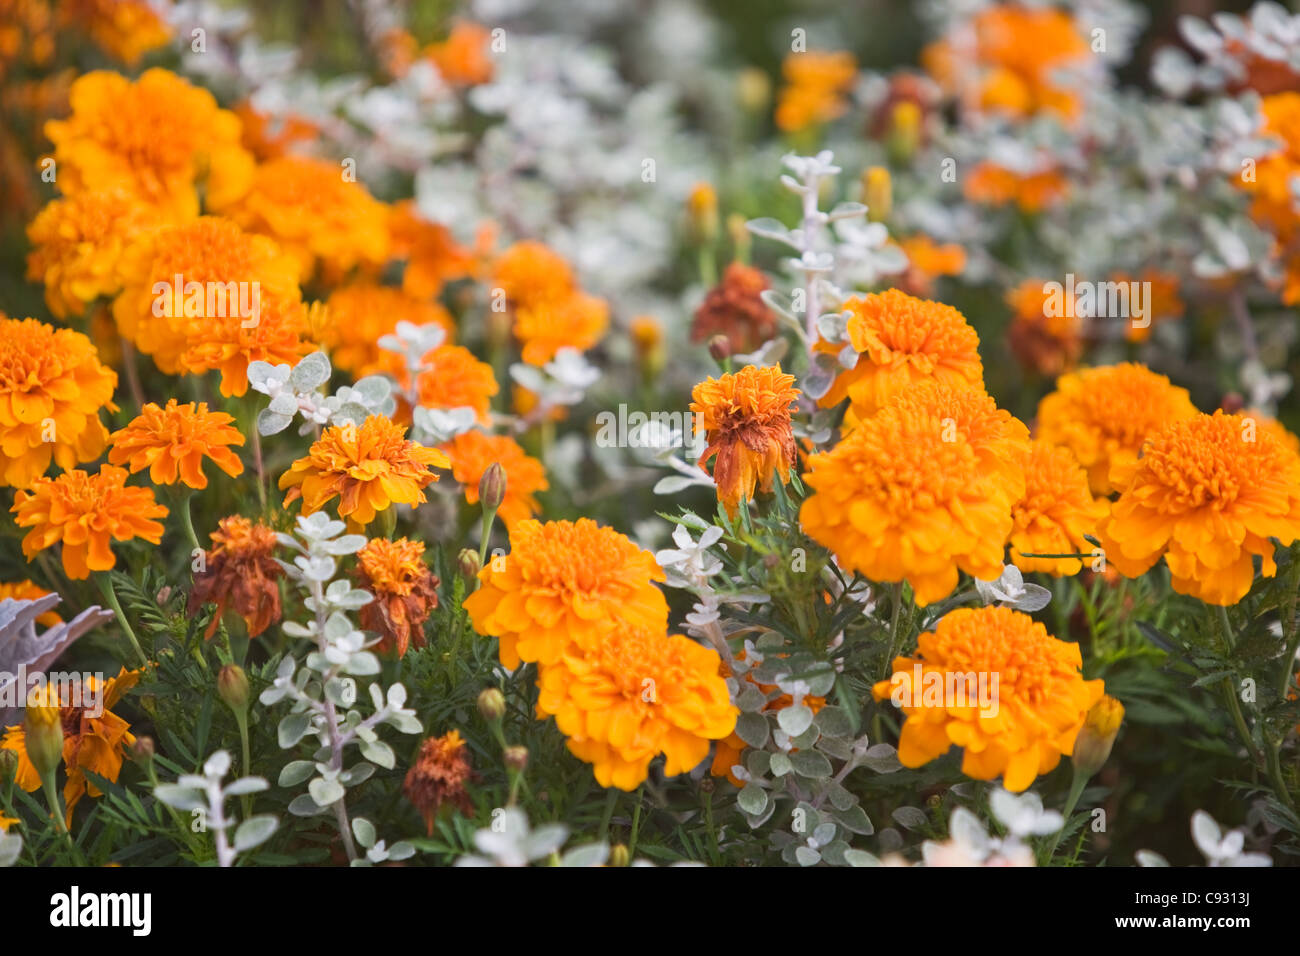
{"x": 1218, "y": 848}
{"x": 1010, "y": 590}
{"x": 413, "y": 342}
{"x": 323, "y": 690}
{"x": 562, "y": 381}
{"x": 11, "y": 847}
{"x": 657, "y": 442}
{"x": 296, "y": 391}
{"x": 206, "y": 795}
{"x": 511, "y": 841}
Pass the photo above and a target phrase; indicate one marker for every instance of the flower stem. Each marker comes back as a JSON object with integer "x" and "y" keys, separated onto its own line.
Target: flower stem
{"x": 894, "y": 635}
{"x": 489, "y": 515}
{"x": 106, "y": 588}
{"x": 187, "y": 520}
{"x": 1076, "y": 790}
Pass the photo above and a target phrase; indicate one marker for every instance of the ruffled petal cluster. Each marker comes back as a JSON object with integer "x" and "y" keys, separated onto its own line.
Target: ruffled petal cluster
{"x": 173, "y": 441}
{"x": 1057, "y": 510}
{"x": 240, "y": 572}
{"x": 405, "y": 592}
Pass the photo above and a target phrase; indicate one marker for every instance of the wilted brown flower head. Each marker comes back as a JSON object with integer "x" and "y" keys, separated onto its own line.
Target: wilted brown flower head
{"x": 404, "y": 589}
{"x": 239, "y": 572}
{"x": 734, "y": 308}
{"x": 439, "y": 776}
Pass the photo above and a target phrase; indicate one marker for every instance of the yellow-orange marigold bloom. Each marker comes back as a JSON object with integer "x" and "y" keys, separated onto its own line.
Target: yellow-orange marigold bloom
{"x": 85, "y": 512}
{"x": 463, "y": 58}
{"x": 439, "y": 776}
{"x": 431, "y": 253}
{"x": 902, "y": 340}
{"x": 530, "y": 272}
{"x": 999, "y": 186}
{"x": 746, "y": 420}
{"x": 29, "y": 591}
{"x": 565, "y": 582}
{"x": 52, "y": 387}
{"x": 405, "y": 592}
{"x": 77, "y": 245}
{"x": 154, "y": 137}
{"x": 172, "y": 442}
{"x": 816, "y": 86}
{"x": 199, "y": 325}
{"x": 314, "y": 213}
{"x": 635, "y": 694}
{"x": 1208, "y": 493}
{"x": 473, "y": 452}
{"x": 920, "y": 490}
{"x": 1275, "y": 428}
{"x": 240, "y": 572}
{"x": 453, "y": 378}
{"x": 368, "y": 469}
{"x": 1271, "y": 186}
{"x": 1103, "y": 415}
{"x": 577, "y": 321}
{"x": 124, "y": 29}
{"x": 927, "y": 260}
{"x": 90, "y": 742}
{"x": 361, "y": 313}
{"x": 1037, "y": 709}
{"x": 1058, "y": 509}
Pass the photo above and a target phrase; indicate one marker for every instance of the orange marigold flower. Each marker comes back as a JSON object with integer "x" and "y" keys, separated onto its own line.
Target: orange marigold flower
{"x": 746, "y": 419}
{"x": 29, "y": 590}
{"x": 432, "y": 255}
{"x": 77, "y": 245}
{"x": 997, "y": 186}
{"x": 1104, "y": 414}
{"x": 86, "y": 511}
{"x": 94, "y": 742}
{"x": 173, "y": 441}
{"x": 52, "y": 387}
{"x": 565, "y": 582}
{"x": 438, "y": 776}
{"x": 124, "y": 29}
{"x": 463, "y": 58}
{"x": 471, "y": 454}
{"x": 361, "y": 313}
{"x": 1274, "y": 427}
{"x": 1037, "y": 706}
{"x": 405, "y": 592}
{"x": 734, "y": 308}
{"x": 268, "y": 137}
{"x": 186, "y": 289}
{"x": 816, "y": 86}
{"x": 239, "y": 572}
{"x": 634, "y": 694}
{"x": 1045, "y": 340}
{"x": 1208, "y": 493}
{"x": 453, "y": 378}
{"x": 1271, "y": 186}
{"x": 315, "y": 213}
{"x": 927, "y": 260}
{"x": 902, "y": 340}
{"x": 576, "y": 321}
{"x": 154, "y": 137}
{"x": 368, "y": 469}
{"x": 530, "y": 272}
{"x": 920, "y": 490}
{"x": 1058, "y": 509}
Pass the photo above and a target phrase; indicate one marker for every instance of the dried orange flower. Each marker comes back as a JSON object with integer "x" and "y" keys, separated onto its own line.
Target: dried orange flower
{"x": 368, "y": 469}
{"x": 815, "y": 90}
{"x": 453, "y": 378}
{"x": 77, "y": 245}
{"x": 902, "y": 340}
{"x": 920, "y": 490}
{"x": 239, "y": 572}
{"x": 173, "y": 441}
{"x": 206, "y": 295}
{"x": 1018, "y": 727}
{"x": 52, "y": 387}
{"x": 1104, "y": 414}
{"x": 1058, "y": 509}
{"x": 154, "y": 137}
{"x": 432, "y": 255}
{"x": 91, "y": 742}
{"x": 746, "y": 419}
{"x": 998, "y": 186}
{"x": 734, "y": 308}
{"x": 1208, "y": 493}
{"x": 438, "y": 776}
{"x": 405, "y": 592}
{"x": 635, "y": 694}
{"x": 29, "y": 590}
{"x": 1044, "y": 340}
{"x": 361, "y": 313}
{"x": 463, "y": 58}
{"x": 471, "y": 454}
{"x": 565, "y": 582}
{"x": 86, "y": 512}
{"x": 318, "y": 213}
{"x": 124, "y": 29}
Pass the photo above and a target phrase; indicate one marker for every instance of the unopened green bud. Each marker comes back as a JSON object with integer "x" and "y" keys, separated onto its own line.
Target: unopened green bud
{"x": 232, "y": 685}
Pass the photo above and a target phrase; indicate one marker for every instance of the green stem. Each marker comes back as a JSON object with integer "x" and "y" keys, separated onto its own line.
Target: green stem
{"x": 489, "y": 515}
{"x": 187, "y": 520}
{"x": 241, "y": 718}
{"x": 106, "y": 588}
{"x": 611, "y": 798}
{"x": 56, "y": 808}
{"x": 1229, "y": 692}
{"x": 1076, "y": 790}
{"x": 895, "y": 618}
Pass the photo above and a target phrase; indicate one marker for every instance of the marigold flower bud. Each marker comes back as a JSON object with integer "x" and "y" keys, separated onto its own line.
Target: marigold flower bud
{"x": 618, "y": 855}
{"x": 142, "y": 750}
{"x": 468, "y": 564}
{"x": 754, "y": 90}
{"x": 232, "y": 685}
{"x": 43, "y": 733}
{"x": 516, "y": 758}
{"x": 904, "y": 130}
{"x": 702, "y": 205}
{"x": 492, "y": 704}
{"x": 878, "y": 191}
{"x": 8, "y": 766}
{"x": 1092, "y": 746}
{"x": 492, "y": 487}
{"x": 720, "y": 348}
